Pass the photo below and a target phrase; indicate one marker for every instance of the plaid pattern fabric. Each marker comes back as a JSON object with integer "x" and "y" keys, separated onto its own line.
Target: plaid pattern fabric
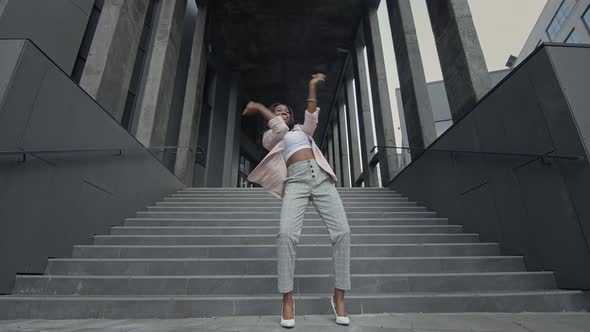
{"x": 306, "y": 182}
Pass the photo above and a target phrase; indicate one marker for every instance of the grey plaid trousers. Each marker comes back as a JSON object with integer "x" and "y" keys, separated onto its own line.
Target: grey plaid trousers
{"x": 305, "y": 182}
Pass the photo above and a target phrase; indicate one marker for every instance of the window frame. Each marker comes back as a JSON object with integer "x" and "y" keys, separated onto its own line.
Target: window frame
{"x": 551, "y": 39}
{"x": 586, "y": 23}
{"x": 572, "y": 33}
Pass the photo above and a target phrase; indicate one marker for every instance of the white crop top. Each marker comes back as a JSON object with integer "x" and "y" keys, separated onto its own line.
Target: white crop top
{"x": 294, "y": 141}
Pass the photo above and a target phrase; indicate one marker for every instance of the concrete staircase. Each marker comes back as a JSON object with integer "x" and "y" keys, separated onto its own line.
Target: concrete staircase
{"x": 211, "y": 252}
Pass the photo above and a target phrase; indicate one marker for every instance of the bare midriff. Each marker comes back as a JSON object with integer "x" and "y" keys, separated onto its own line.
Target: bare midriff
{"x": 300, "y": 155}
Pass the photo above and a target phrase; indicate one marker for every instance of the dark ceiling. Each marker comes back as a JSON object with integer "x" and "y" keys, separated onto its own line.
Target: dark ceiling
{"x": 277, "y": 45}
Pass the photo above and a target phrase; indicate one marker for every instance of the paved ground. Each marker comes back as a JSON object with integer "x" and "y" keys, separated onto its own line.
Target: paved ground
{"x": 567, "y": 322}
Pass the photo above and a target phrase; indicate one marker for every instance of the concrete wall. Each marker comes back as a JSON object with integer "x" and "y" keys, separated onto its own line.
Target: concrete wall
{"x": 56, "y": 26}
{"x": 532, "y": 207}
{"x": 54, "y": 201}
{"x": 440, "y": 109}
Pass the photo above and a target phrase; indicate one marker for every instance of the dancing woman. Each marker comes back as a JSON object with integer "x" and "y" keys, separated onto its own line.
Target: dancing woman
{"x": 296, "y": 170}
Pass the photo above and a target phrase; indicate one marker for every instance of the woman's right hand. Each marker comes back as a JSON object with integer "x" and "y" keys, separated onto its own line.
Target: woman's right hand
{"x": 251, "y": 109}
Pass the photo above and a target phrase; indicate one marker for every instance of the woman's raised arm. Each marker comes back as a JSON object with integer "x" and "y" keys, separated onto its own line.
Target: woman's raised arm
{"x": 312, "y": 101}
{"x": 278, "y": 128}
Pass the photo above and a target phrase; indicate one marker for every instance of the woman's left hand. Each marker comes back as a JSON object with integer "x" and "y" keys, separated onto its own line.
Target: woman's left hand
{"x": 317, "y": 78}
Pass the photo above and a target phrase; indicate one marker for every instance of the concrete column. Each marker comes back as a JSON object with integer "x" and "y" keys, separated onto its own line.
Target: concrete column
{"x": 364, "y": 110}
{"x": 217, "y": 131}
{"x": 156, "y": 100}
{"x": 111, "y": 58}
{"x": 331, "y": 152}
{"x": 463, "y": 65}
{"x": 193, "y": 102}
{"x": 344, "y": 145}
{"x": 354, "y": 143}
{"x": 235, "y": 163}
{"x": 337, "y": 153}
{"x": 380, "y": 92}
{"x": 418, "y": 115}
{"x": 231, "y": 132}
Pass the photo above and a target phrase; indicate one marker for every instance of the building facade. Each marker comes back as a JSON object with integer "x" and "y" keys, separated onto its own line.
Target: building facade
{"x": 561, "y": 21}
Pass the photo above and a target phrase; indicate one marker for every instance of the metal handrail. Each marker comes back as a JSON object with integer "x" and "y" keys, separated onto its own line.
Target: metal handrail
{"x": 507, "y": 154}
{"x": 116, "y": 151}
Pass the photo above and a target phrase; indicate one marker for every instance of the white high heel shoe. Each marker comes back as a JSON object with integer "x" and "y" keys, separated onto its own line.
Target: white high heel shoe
{"x": 288, "y": 323}
{"x": 340, "y": 320}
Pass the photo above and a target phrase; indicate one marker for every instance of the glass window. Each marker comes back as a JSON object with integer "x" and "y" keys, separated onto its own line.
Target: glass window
{"x": 572, "y": 38}
{"x": 586, "y": 18}
{"x": 563, "y": 13}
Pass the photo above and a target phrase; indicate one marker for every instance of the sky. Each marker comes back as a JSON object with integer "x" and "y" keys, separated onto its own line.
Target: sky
{"x": 502, "y": 26}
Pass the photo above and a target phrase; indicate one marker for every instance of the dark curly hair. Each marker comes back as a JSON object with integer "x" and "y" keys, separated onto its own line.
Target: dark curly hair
{"x": 291, "y": 123}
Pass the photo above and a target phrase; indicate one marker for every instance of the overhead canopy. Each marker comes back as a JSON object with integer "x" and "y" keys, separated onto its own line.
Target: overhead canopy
{"x": 278, "y": 45}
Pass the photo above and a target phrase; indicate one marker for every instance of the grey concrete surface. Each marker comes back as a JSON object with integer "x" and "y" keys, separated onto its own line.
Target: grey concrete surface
{"x": 55, "y": 200}
{"x": 353, "y": 127}
{"x": 419, "y": 120}
{"x": 109, "y": 65}
{"x": 155, "y": 104}
{"x": 462, "y": 61}
{"x": 532, "y": 206}
{"x": 56, "y": 26}
{"x": 363, "y": 107}
{"x": 344, "y": 144}
{"x": 525, "y": 322}
{"x": 388, "y": 161}
{"x": 191, "y": 109}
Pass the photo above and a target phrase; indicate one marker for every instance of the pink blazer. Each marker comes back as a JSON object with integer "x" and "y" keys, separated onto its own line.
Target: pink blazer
{"x": 272, "y": 170}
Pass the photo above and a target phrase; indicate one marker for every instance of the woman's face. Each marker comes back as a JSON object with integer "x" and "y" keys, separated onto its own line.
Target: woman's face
{"x": 283, "y": 111}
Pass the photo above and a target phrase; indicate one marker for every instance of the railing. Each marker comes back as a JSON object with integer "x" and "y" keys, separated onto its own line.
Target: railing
{"x": 114, "y": 151}
{"x": 505, "y": 154}
{"x": 543, "y": 157}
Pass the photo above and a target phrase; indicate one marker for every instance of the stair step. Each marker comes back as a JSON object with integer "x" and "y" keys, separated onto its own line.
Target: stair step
{"x": 385, "y": 195}
{"x": 303, "y": 251}
{"x": 168, "y": 307}
{"x": 259, "y": 189}
{"x": 264, "y": 266}
{"x": 278, "y": 204}
{"x": 272, "y": 199}
{"x": 204, "y": 252}
{"x": 277, "y": 209}
{"x": 267, "y": 284}
{"x": 270, "y": 230}
{"x": 147, "y": 222}
{"x": 271, "y": 239}
{"x": 276, "y": 215}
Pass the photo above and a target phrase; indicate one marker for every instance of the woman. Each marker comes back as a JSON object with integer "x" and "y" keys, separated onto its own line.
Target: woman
{"x": 296, "y": 170}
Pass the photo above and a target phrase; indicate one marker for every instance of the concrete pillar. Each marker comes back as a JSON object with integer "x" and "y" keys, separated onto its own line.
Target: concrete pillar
{"x": 337, "y": 153}
{"x": 380, "y": 92}
{"x": 193, "y": 102}
{"x": 364, "y": 110}
{"x": 231, "y": 132}
{"x": 354, "y": 143}
{"x": 463, "y": 65}
{"x": 217, "y": 131}
{"x": 344, "y": 145}
{"x": 236, "y": 157}
{"x": 418, "y": 115}
{"x": 156, "y": 100}
{"x": 331, "y": 152}
{"x": 110, "y": 62}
